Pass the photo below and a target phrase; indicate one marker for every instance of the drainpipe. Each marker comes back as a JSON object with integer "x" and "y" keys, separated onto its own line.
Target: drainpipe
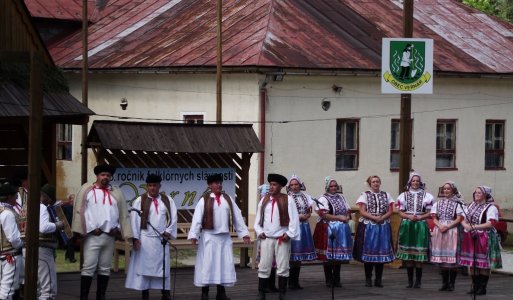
{"x": 263, "y": 99}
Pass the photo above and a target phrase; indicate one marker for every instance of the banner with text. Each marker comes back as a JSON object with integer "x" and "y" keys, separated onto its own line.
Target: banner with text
{"x": 185, "y": 186}
{"x": 407, "y": 66}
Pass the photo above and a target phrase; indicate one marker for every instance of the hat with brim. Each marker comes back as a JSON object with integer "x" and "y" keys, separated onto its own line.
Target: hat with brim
{"x": 104, "y": 168}
{"x": 280, "y": 179}
{"x": 49, "y": 190}
{"x": 214, "y": 178}
{"x": 7, "y": 189}
{"x": 153, "y": 178}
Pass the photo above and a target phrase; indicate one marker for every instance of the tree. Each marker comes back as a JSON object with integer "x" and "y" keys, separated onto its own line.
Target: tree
{"x": 499, "y": 8}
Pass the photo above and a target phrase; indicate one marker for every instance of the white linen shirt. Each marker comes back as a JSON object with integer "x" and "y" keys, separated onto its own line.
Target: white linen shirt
{"x": 99, "y": 213}
{"x": 10, "y": 228}
{"x": 45, "y": 225}
{"x": 272, "y": 227}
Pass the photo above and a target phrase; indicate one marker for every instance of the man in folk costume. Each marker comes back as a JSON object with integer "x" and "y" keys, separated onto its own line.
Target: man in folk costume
{"x": 213, "y": 216}
{"x": 276, "y": 223}
{"x": 154, "y": 216}
{"x": 100, "y": 216}
{"x": 48, "y": 242}
{"x": 10, "y": 241}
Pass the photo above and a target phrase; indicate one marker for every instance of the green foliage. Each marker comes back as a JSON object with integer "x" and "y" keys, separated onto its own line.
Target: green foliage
{"x": 499, "y": 8}
{"x": 19, "y": 74}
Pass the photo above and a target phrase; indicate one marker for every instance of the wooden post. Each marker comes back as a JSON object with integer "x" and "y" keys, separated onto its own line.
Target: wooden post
{"x": 246, "y": 163}
{"x": 85, "y": 71}
{"x": 406, "y": 122}
{"x": 219, "y": 86}
{"x": 34, "y": 176}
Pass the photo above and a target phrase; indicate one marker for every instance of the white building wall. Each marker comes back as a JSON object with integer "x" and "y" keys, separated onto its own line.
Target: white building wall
{"x": 305, "y": 145}
{"x": 161, "y": 98}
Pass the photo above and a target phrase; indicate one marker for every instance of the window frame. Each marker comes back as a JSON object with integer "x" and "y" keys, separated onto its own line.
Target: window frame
{"x": 454, "y": 122}
{"x": 190, "y": 116}
{"x": 63, "y": 143}
{"x": 356, "y": 151}
{"x": 500, "y": 151}
{"x": 398, "y": 149}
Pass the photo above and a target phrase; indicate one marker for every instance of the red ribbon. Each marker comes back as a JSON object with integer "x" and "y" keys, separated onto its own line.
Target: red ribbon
{"x": 156, "y": 203}
{"x": 9, "y": 259}
{"x": 105, "y": 192}
{"x": 218, "y": 199}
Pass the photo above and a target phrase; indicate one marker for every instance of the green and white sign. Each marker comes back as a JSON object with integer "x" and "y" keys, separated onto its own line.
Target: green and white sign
{"x": 407, "y": 66}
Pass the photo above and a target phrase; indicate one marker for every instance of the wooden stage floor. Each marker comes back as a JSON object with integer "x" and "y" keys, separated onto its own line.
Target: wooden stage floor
{"x": 311, "y": 278}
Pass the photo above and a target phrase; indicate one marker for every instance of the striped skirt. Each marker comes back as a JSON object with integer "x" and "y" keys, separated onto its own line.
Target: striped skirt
{"x": 486, "y": 248}
{"x": 304, "y": 248}
{"x": 445, "y": 246}
{"x": 413, "y": 241}
{"x": 339, "y": 247}
{"x": 373, "y": 243}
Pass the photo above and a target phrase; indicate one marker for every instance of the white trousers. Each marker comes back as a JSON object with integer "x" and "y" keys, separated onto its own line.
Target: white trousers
{"x": 98, "y": 252}
{"x": 46, "y": 275}
{"x": 270, "y": 248}
{"x": 9, "y": 277}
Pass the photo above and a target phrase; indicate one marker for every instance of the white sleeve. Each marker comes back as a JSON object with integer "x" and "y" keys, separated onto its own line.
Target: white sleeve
{"x": 45, "y": 226}
{"x": 401, "y": 203}
{"x": 429, "y": 201}
{"x": 135, "y": 219}
{"x": 172, "y": 227}
{"x": 434, "y": 209}
{"x": 11, "y": 229}
{"x": 258, "y": 229}
{"x": 390, "y": 199}
{"x": 239, "y": 225}
{"x": 323, "y": 204}
{"x": 492, "y": 214}
{"x": 197, "y": 219}
{"x": 293, "y": 230}
{"x": 362, "y": 199}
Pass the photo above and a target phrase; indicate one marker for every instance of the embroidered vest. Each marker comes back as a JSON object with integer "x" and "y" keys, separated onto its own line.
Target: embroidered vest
{"x": 414, "y": 205}
{"x": 377, "y": 204}
{"x": 337, "y": 204}
{"x": 477, "y": 212}
{"x": 6, "y": 246}
{"x": 301, "y": 202}
{"x": 446, "y": 209}
{"x": 208, "y": 212}
{"x": 22, "y": 216}
{"x": 145, "y": 208}
{"x": 283, "y": 210}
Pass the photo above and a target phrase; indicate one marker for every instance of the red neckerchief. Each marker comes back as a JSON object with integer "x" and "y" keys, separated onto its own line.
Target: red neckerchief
{"x": 272, "y": 207}
{"x": 218, "y": 199}
{"x": 106, "y": 192}
{"x": 156, "y": 203}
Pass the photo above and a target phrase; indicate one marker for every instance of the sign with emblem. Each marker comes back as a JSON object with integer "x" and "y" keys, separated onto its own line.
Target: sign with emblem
{"x": 407, "y": 66}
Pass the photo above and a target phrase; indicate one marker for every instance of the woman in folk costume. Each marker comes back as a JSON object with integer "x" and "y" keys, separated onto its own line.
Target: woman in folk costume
{"x": 302, "y": 250}
{"x": 447, "y": 215}
{"x": 373, "y": 241}
{"x": 333, "y": 240}
{"x": 210, "y": 229}
{"x": 414, "y": 208}
{"x": 153, "y": 218}
{"x": 481, "y": 239}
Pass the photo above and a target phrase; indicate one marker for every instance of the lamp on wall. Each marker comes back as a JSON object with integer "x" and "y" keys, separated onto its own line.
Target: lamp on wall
{"x": 278, "y": 77}
{"x": 325, "y": 104}
{"x": 124, "y": 103}
{"x": 336, "y": 88}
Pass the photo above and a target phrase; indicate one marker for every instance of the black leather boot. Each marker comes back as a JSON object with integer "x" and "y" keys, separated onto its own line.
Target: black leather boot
{"x": 85, "y": 285}
{"x": 294, "y": 278}
{"x": 282, "y": 287}
{"x": 368, "y": 274}
{"x": 166, "y": 294}
{"x": 336, "y": 275}
{"x": 271, "y": 282}
{"x": 409, "y": 271}
{"x": 475, "y": 285}
{"x": 418, "y": 278}
{"x": 483, "y": 282}
{"x": 221, "y": 293}
{"x": 262, "y": 287}
{"x": 452, "y": 280}
{"x": 328, "y": 274}
{"x": 445, "y": 280}
{"x": 102, "y": 282}
{"x": 145, "y": 294}
{"x": 379, "y": 275}
{"x": 204, "y": 293}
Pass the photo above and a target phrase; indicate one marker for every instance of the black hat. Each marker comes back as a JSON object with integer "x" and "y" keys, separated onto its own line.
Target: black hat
{"x": 153, "y": 178}
{"x": 49, "y": 190}
{"x": 280, "y": 179}
{"x": 214, "y": 178}
{"x": 14, "y": 181}
{"x": 7, "y": 189}
{"x": 104, "y": 168}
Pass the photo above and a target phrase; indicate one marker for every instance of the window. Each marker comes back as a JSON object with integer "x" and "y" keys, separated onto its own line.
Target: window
{"x": 64, "y": 141}
{"x": 395, "y": 138}
{"x": 347, "y": 144}
{"x": 193, "y": 118}
{"x": 494, "y": 144}
{"x": 446, "y": 144}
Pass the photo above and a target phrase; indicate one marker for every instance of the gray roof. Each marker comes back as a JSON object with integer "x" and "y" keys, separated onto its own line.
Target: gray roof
{"x": 174, "y": 138}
